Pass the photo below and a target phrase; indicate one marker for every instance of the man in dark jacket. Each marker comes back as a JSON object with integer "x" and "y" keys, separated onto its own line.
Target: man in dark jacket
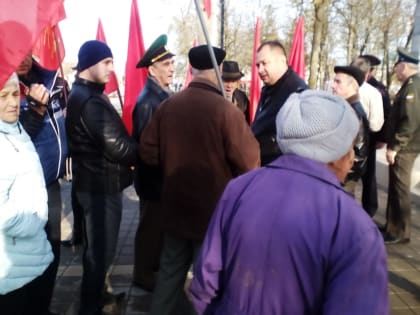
{"x": 403, "y": 147}
{"x": 102, "y": 153}
{"x": 201, "y": 141}
{"x": 148, "y": 179}
{"x": 280, "y": 81}
{"x": 43, "y": 102}
{"x": 231, "y": 75}
{"x": 346, "y": 84}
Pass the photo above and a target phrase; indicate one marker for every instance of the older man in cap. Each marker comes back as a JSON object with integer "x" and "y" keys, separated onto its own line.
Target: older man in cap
{"x": 102, "y": 153}
{"x": 201, "y": 141}
{"x": 147, "y": 179}
{"x": 371, "y": 101}
{"x": 268, "y": 250}
{"x": 231, "y": 76}
{"x": 346, "y": 84}
{"x": 403, "y": 146}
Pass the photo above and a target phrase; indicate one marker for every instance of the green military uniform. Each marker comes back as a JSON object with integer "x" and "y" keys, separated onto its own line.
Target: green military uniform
{"x": 403, "y": 132}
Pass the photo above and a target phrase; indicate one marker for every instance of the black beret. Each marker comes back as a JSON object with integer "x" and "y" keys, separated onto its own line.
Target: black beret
{"x": 156, "y": 52}
{"x": 200, "y": 59}
{"x": 356, "y": 73}
{"x": 373, "y": 60}
{"x": 405, "y": 56}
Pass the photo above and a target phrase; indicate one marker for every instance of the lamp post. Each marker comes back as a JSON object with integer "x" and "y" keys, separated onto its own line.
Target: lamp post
{"x": 415, "y": 47}
{"x": 222, "y": 24}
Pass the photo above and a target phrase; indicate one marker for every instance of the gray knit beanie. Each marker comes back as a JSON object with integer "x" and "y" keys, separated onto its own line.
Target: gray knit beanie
{"x": 316, "y": 125}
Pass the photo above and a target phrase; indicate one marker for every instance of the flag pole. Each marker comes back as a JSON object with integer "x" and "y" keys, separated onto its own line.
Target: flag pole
{"x": 119, "y": 97}
{"x": 212, "y": 56}
{"x": 61, "y": 64}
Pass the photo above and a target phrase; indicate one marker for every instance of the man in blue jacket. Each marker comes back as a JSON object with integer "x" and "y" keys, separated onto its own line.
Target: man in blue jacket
{"x": 43, "y": 104}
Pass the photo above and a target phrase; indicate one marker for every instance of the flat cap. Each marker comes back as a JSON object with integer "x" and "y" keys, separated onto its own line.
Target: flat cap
{"x": 156, "y": 52}
{"x": 405, "y": 56}
{"x": 356, "y": 73}
{"x": 200, "y": 59}
{"x": 373, "y": 60}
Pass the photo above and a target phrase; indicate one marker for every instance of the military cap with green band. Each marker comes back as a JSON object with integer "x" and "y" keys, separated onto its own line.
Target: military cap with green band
{"x": 156, "y": 52}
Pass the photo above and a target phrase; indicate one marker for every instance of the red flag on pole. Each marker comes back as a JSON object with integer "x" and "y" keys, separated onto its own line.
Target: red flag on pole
{"x": 135, "y": 78}
{"x": 112, "y": 84}
{"x": 207, "y": 7}
{"x": 188, "y": 77}
{"x": 21, "y": 24}
{"x": 49, "y": 48}
{"x": 297, "y": 50}
{"x": 255, "y": 88}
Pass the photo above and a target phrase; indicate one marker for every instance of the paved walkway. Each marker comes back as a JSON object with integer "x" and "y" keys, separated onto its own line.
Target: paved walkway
{"x": 403, "y": 265}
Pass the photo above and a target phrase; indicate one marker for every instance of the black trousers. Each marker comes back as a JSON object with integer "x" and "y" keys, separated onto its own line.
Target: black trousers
{"x": 77, "y": 215}
{"x": 102, "y": 217}
{"x": 369, "y": 186}
{"x": 398, "y": 211}
{"x": 24, "y": 301}
{"x": 149, "y": 240}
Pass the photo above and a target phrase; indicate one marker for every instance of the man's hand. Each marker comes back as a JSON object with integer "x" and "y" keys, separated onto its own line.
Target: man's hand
{"x": 38, "y": 93}
{"x": 390, "y": 156}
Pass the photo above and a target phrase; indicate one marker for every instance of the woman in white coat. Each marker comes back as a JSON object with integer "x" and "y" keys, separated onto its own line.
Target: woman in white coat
{"x": 25, "y": 252}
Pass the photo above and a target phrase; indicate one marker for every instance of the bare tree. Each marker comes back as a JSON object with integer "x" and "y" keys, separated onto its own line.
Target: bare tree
{"x": 320, "y": 26}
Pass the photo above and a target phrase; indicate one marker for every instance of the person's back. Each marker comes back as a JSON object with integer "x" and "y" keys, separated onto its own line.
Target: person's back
{"x": 310, "y": 248}
{"x": 200, "y": 140}
{"x": 198, "y": 154}
{"x": 296, "y": 246}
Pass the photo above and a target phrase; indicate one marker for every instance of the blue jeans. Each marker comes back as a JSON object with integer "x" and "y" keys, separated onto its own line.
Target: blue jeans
{"x": 101, "y": 225}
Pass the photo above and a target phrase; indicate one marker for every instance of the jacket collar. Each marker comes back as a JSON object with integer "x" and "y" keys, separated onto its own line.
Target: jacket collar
{"x": 156, "y": 88}
{"x": 353, "y": 99}
{"x": 306, "y": 166}
{"x": 97, "y": 87}
{"x": 205, "y": 84}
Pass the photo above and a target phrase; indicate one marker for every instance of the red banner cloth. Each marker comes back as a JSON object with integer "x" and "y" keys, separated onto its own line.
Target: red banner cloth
{"x": 297, "y": 49}
{"x": 135, "y": 78}
{"x": 207, "y": 7}
{"x": 255, "y": 88}
{"x": 112, "y": 85}
{"x": 21, "y": 24}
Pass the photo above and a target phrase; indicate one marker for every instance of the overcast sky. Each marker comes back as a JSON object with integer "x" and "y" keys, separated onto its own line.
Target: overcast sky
{"x": 82, "y": 22}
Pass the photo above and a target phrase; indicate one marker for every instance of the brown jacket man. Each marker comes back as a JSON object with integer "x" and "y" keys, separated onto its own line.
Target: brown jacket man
{"x": 201, "y": 141}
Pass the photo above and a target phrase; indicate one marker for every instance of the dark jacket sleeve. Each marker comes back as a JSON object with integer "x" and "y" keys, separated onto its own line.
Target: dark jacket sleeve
{"x": 105, "y": 127}
{"x": 142, "y": 115}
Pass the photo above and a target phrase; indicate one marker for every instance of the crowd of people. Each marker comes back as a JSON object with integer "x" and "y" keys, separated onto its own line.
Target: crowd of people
{"x": 264, "y": 210}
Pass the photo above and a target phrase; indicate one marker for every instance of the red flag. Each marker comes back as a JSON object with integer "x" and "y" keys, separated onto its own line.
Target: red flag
{"x": 112, "y": 85}
{"x": 135, "y": 78}
{"x": 255, "y": 88}
{"x": 188, "y": 77}
{"x": 21, "y": 23}
{"x": 297, "y": 50}
{"x": 207, "y": 7}
{"x": 49, "y": 48}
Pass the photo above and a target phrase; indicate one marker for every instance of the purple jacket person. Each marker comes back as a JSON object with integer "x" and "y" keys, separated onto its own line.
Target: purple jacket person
{"x": 286, "y": 238}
